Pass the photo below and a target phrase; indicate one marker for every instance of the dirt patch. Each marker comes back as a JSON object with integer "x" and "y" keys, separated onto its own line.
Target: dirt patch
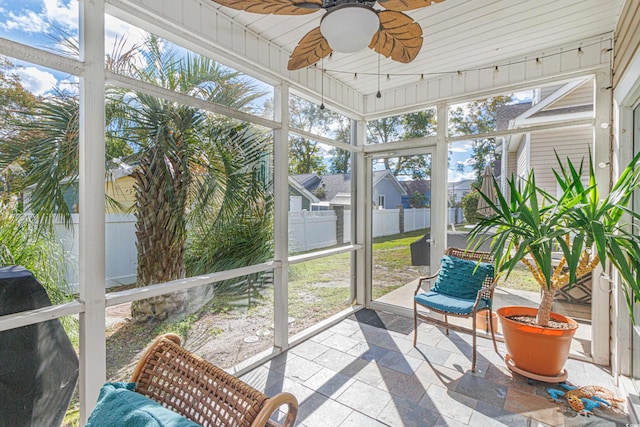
{"x": 224, "y": 339}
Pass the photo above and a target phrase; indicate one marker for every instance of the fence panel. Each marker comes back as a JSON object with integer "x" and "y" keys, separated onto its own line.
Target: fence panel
{"x": 312, "y": 230}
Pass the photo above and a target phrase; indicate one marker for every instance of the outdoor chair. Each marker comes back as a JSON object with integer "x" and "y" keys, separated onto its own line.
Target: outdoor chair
{"x": 202, "y": 392}
{"x": 462, "y": 287}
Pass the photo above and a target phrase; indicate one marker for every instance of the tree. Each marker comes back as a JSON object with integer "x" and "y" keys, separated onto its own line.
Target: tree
{"x": 339, "y": 159}
{"x": 15, "y": 103}
{"x": 409, "y": 126}
{"x": 175, "y": 167}
{"x": 306, "y": 155}
{"x": 418, "y": 200}
{"x": 475, "y": 118}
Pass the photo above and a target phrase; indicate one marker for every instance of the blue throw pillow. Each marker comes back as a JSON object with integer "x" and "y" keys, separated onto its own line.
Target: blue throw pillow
{"x": 460, "y": 277}
{"x": 119, "y": 405}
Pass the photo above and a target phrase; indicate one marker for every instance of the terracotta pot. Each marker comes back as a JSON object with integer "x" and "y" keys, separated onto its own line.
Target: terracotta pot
{"x": 481, "y": 321}
{"x": 534, "y": 349}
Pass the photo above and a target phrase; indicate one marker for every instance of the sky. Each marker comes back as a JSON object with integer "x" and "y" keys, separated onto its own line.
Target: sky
{"x": 31, "y": 22}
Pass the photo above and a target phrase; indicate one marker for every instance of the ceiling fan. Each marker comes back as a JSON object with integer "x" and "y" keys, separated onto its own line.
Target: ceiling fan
{"x": 347, "y": 26}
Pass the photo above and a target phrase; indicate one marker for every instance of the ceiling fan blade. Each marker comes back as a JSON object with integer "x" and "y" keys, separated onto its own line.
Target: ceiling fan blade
{"x": 274, "y": 7}
{"x": 311, "y": 48}
{"x": 400, "y": 37}
{"x": 401, "y": 5}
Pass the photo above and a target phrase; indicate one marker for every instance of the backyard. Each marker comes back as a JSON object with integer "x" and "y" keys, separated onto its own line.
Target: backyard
{"x": 227, "y": 333}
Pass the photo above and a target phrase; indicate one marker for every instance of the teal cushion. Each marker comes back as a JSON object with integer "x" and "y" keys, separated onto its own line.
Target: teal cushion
{"x": 449, "y": 304}
{"x": 119, "y": 405}
{"x": 460, "y": 278}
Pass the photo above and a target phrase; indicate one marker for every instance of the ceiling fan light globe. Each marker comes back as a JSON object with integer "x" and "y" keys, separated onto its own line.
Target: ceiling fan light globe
{"x": 350, "y": 27}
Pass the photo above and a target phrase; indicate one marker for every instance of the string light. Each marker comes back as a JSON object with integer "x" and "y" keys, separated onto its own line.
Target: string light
{"x": 496, "y": 68}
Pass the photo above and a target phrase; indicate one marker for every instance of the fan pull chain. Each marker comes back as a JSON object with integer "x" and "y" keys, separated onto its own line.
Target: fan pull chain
{"x": 322, "y": 85}
{"x": 379, "y": 95}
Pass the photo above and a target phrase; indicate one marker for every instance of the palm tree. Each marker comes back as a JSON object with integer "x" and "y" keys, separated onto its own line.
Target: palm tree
{"x": 174, "y": 150}
{"x": 527, "y": 225}
{"x": 174, "y": 167}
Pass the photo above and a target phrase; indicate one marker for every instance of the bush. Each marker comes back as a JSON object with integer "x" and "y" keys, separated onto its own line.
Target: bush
{"x": 470, "y": 207}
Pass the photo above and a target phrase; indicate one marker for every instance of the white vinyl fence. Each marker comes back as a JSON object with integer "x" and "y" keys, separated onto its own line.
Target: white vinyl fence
{"x": 308, "y": 230}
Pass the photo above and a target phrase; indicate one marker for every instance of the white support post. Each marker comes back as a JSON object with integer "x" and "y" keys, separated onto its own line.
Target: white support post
{"x": 601, "y": 152}
{"x": 92, "y": 206}
{"x": 281, "y": 216}
{"x": 361, "y": 215}
{"x": 439, "y": 205}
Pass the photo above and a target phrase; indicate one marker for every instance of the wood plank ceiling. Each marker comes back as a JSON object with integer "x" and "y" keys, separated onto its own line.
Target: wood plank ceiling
{"x": 458, "y": 35}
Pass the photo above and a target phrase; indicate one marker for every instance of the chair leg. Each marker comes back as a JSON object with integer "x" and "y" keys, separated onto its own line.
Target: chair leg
{"x": 415, "y": 324}
{"x": 473, "y": 357}
{"x": 493, "y": 335}
{"x": 446, "y": 328}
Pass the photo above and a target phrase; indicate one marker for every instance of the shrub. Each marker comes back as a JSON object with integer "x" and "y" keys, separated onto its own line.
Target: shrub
{"x": 470, "y": 207}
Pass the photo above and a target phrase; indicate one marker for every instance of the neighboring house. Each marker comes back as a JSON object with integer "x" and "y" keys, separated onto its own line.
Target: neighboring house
{"x": 413, "y": 188}
{"x": 458, "y": 189}
{"x": 314, "y": 192}
{"x": 118, "y": 186}
{"x": 535, "y": 150}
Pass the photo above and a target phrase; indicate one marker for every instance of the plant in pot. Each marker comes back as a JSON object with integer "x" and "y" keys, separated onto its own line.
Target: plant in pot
{"x": 532, "y": 227}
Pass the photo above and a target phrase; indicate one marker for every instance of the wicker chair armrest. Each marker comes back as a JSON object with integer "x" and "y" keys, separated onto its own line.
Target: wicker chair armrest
{"x": 425, "y": 279}
{"x": 485, "y": 289}
{"x": 272, "y": 405}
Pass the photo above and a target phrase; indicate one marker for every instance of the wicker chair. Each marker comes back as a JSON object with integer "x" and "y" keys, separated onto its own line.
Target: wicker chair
{"x": 202, "y": 392}
{"x": 455, "y": 306}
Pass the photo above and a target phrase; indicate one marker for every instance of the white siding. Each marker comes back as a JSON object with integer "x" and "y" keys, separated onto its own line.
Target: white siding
{"x": 512, "y": 159}
{"x": 627, "y": 39}
{"x": 522, "y": 166}
{"x": 573, "y": 143}
{"x": 582, "y": 95}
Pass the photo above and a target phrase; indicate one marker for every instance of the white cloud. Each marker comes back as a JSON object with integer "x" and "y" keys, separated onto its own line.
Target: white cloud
{"x": 456, "y": 176}
{"x": 36, "y": 80}
{"x": 28, "y": 22}
{"x": 115, "y": 30}
{"x": 65, "y": 15}
{"x": 60, "y": 13}
{"x": 69, "y": 85}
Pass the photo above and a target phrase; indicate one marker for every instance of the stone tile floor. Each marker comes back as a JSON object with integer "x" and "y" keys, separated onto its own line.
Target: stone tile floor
{"x": 364, "y": 371}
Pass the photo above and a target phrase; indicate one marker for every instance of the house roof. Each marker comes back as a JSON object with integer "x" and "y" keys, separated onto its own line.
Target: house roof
{"x": 422, "y": 186}
{"x": 336, "y": 188}
{"x": 507, "y": 113}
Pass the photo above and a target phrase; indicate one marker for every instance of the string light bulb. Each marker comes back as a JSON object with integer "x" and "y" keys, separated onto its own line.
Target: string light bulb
{"x": 421, "y": 77}
{"x": 388, "y": 77}
{"x": 580, "y": 51}
{"x": 355, "y": 76}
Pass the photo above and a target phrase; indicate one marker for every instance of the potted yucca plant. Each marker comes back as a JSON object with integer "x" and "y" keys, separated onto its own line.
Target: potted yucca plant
{"x": 532, "y": 227}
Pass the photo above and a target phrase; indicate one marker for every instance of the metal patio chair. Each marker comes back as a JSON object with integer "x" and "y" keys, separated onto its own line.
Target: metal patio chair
{"x": 462, "y": 287}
